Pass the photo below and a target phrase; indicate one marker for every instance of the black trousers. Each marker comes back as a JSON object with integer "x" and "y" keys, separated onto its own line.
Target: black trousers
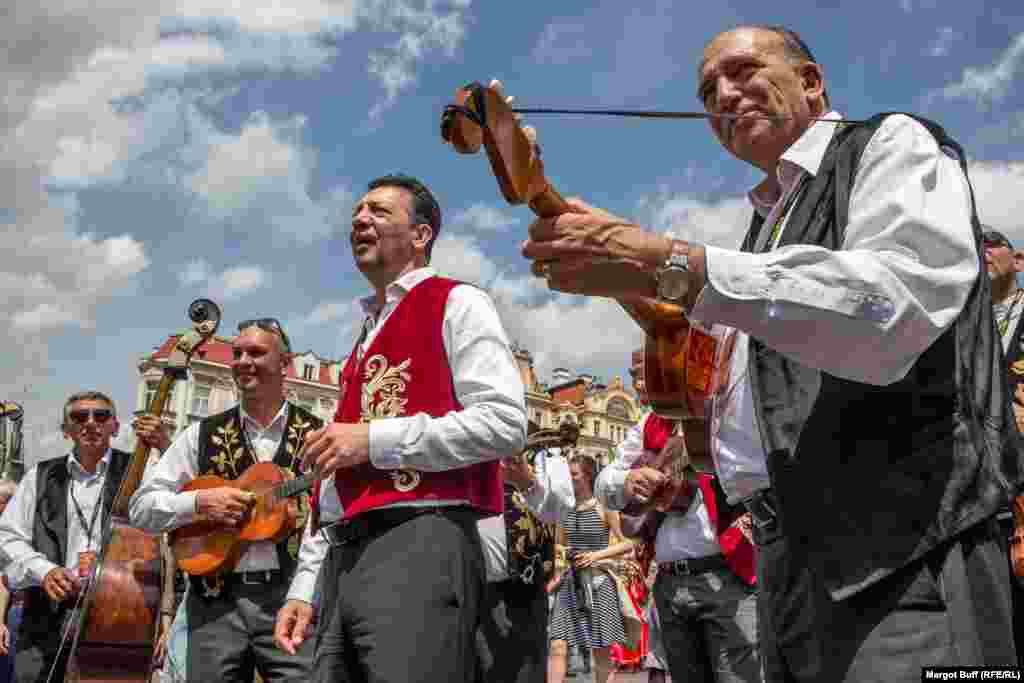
{"x": 38, "y": 644}
{"x": 948, "y": 608}
{"x": 232, "y": 636}
{"x": 513, "y": 636}
{"x": 1016, "y": 592}
{"x": 403, "y": 606}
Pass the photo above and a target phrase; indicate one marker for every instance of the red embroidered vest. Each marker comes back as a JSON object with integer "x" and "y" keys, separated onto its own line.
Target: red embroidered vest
{"x": 405, "y": 371}
{"x": 737, "y": 548}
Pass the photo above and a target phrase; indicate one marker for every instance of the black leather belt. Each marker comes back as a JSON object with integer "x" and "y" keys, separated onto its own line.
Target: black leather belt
{"x": 763, "y": 507}
{"x": 376, "y": 522}
{"x": 697, "y": 565}
{"x": 261, "y": 577}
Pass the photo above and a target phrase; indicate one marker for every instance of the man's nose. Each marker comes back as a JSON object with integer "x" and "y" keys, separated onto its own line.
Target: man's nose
{"x": 727, "y": 94}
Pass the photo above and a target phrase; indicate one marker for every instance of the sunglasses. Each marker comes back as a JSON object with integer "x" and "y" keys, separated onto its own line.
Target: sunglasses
{"x": 99, "y": 415}
{"x": 268, "y": 325}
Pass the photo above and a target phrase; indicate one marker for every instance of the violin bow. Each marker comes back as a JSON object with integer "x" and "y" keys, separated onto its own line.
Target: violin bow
{"x": 653, "y": 114}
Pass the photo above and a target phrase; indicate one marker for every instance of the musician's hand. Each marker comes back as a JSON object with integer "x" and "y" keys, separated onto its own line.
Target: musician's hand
{"x": 5, "y": 640}
{"x": 60, "y": 583}
{"x": 643, "y": 483}
{"x": 337, "y": 446}
{"x": 151, "y": 431}
{"x": 224, "y": 505}
{"x": 294, "y": 621}
{"x": 160, "y": 650}
{"x": 518, "y": 472}
{"x": 590, "y": 251}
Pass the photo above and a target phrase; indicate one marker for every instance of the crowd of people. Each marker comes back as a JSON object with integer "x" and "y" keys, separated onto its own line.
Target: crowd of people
{"x": 864, "y": 439}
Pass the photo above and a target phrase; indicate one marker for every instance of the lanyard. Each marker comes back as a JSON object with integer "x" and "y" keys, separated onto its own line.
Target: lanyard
{"x": 1004, "y": 322}
{"x": 95, "y": 510}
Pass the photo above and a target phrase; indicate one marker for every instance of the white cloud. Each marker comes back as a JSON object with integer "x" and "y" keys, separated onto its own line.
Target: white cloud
{"x": 940, "y": 46}
{"x": 484, "y": 217}
{"x": 43, "y": 316}
{"x": 461, "y": 257}
{"x": 422, "y": 33}
{"x": 988, "y": 83}
{"x": 721, "y": 224}
{"x": 997, "y": 190}
{"x": 562, "y": 42}
{"x": 332, "y": 311}
{"x": 236, "y": 282}
{"x": 194, "y": 272}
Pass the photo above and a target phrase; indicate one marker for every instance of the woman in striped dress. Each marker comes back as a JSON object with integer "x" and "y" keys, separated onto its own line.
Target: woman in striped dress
{"x": 586, "y": 612}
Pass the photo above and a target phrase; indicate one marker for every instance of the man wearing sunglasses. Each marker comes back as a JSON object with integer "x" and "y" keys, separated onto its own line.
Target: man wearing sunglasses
{"x": 1003, "y": 262}
{"x": 231, "y": 616}
{"x": 431, "y": 401}
{"x": 51, "y": 530}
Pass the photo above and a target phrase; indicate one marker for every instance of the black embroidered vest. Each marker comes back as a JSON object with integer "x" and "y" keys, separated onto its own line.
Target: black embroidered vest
{"x": 41, "y": 618}
{"x": 871, "y": 477}
{"x": 530, "y": 542}
{"x": 225, "y": 451}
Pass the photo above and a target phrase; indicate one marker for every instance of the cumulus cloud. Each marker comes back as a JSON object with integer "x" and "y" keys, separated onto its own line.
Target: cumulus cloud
{"x": 997, "y": 191}
{"x": 721, "y": 224}
{"x": 227, "y": 285}
{"x": 484, "y": 217}
{"x": 988, "y": 83}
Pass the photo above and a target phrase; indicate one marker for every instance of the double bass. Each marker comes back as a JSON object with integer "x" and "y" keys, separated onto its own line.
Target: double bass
{"x": 684, "y": 364}
{"x": 114, "y": 625}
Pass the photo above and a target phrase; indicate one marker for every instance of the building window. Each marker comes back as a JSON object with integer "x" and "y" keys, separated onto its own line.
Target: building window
{"x": 200, "y": 401}
{"x": 307, "y": 372}
{"x": 597, "y": 428}
{"x": 151, "y": 389}
{"x": 619, "y": 408}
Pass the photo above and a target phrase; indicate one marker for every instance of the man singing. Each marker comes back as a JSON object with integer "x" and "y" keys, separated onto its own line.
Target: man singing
{"x": 431, "y": 400}
{"x": 868, "y": 430}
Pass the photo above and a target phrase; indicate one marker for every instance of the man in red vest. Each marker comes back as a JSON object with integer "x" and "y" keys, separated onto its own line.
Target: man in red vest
{"x": 431, "y": 400}
{"x": 705, "y": 590}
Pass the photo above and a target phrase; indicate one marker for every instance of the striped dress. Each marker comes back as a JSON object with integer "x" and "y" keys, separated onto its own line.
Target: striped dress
{"x": 601, "y": 625}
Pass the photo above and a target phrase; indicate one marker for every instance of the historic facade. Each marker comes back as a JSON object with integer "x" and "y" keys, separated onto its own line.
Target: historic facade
{"x": 312, "y": 382}
{"x": 604, "y": 413}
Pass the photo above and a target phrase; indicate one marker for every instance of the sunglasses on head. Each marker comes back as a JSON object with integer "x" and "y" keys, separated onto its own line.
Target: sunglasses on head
{"x": 268, "y": 325}
{"x": 99, "y": 415}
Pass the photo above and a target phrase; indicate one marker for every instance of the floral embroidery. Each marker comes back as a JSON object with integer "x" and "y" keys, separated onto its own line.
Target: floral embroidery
{"x": 230, "y": 451}
{"x": 383, "y": 389}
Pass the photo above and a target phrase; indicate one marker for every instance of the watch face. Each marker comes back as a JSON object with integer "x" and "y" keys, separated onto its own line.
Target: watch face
{"x": 672, "y": 284}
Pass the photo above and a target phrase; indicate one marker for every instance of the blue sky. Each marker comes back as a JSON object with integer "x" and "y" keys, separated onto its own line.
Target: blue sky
{"x": 160, "y": 150}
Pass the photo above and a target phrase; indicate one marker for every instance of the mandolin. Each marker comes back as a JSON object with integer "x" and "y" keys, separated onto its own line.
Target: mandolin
{"x": 204, "y": 548}
{"x": 684, "y": 363}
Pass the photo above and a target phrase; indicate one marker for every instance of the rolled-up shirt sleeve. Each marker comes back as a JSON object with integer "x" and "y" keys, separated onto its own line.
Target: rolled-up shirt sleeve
{"x": 904, "y": 272}
{"x": 610, "y": 486}
{"x": 492, "y": 423}
{"x": 157, "y": 506}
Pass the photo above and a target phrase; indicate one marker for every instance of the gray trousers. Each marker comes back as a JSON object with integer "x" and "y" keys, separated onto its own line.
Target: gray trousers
{"x": 949, "y": 608}
{"x": 708, "y": 627}
{"x": 231, "y": 637}
{"x": 513, "y": 636}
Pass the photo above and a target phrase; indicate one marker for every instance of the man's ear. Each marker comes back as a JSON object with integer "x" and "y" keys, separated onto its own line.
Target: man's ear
{"x": 812, "y": 78}
{"x": 424, "y": 233}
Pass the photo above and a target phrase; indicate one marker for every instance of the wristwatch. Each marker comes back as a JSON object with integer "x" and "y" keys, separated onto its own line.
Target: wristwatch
{"x": 673, "y": 277}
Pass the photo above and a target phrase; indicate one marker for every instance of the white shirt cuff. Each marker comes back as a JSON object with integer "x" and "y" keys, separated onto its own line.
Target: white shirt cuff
{"x": 303, "y": 587}
{"x": 386, "y": 442}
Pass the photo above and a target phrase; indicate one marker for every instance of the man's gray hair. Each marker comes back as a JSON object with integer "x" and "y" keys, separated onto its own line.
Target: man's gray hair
{"x": 90, "y": 395}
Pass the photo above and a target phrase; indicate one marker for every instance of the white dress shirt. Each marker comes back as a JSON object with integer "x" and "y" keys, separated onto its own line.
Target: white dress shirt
{"x": 157, "y": 506}
{"x": 492, "y": 422}
{"x": 865, "y": 312}
{"x": 681, "y": 536}
{"x": 24, "y": 565}
{"x": 550, "y": 498}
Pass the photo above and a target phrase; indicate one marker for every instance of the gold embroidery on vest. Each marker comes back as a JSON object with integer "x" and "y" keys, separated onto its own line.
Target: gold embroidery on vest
{"x": 230, "y": 451}
{"x": 382, "y": 398}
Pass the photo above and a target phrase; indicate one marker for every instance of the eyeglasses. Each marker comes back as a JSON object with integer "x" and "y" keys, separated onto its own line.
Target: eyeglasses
{"x": 99, "y": 415}
{"x": 268, "y": 324}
